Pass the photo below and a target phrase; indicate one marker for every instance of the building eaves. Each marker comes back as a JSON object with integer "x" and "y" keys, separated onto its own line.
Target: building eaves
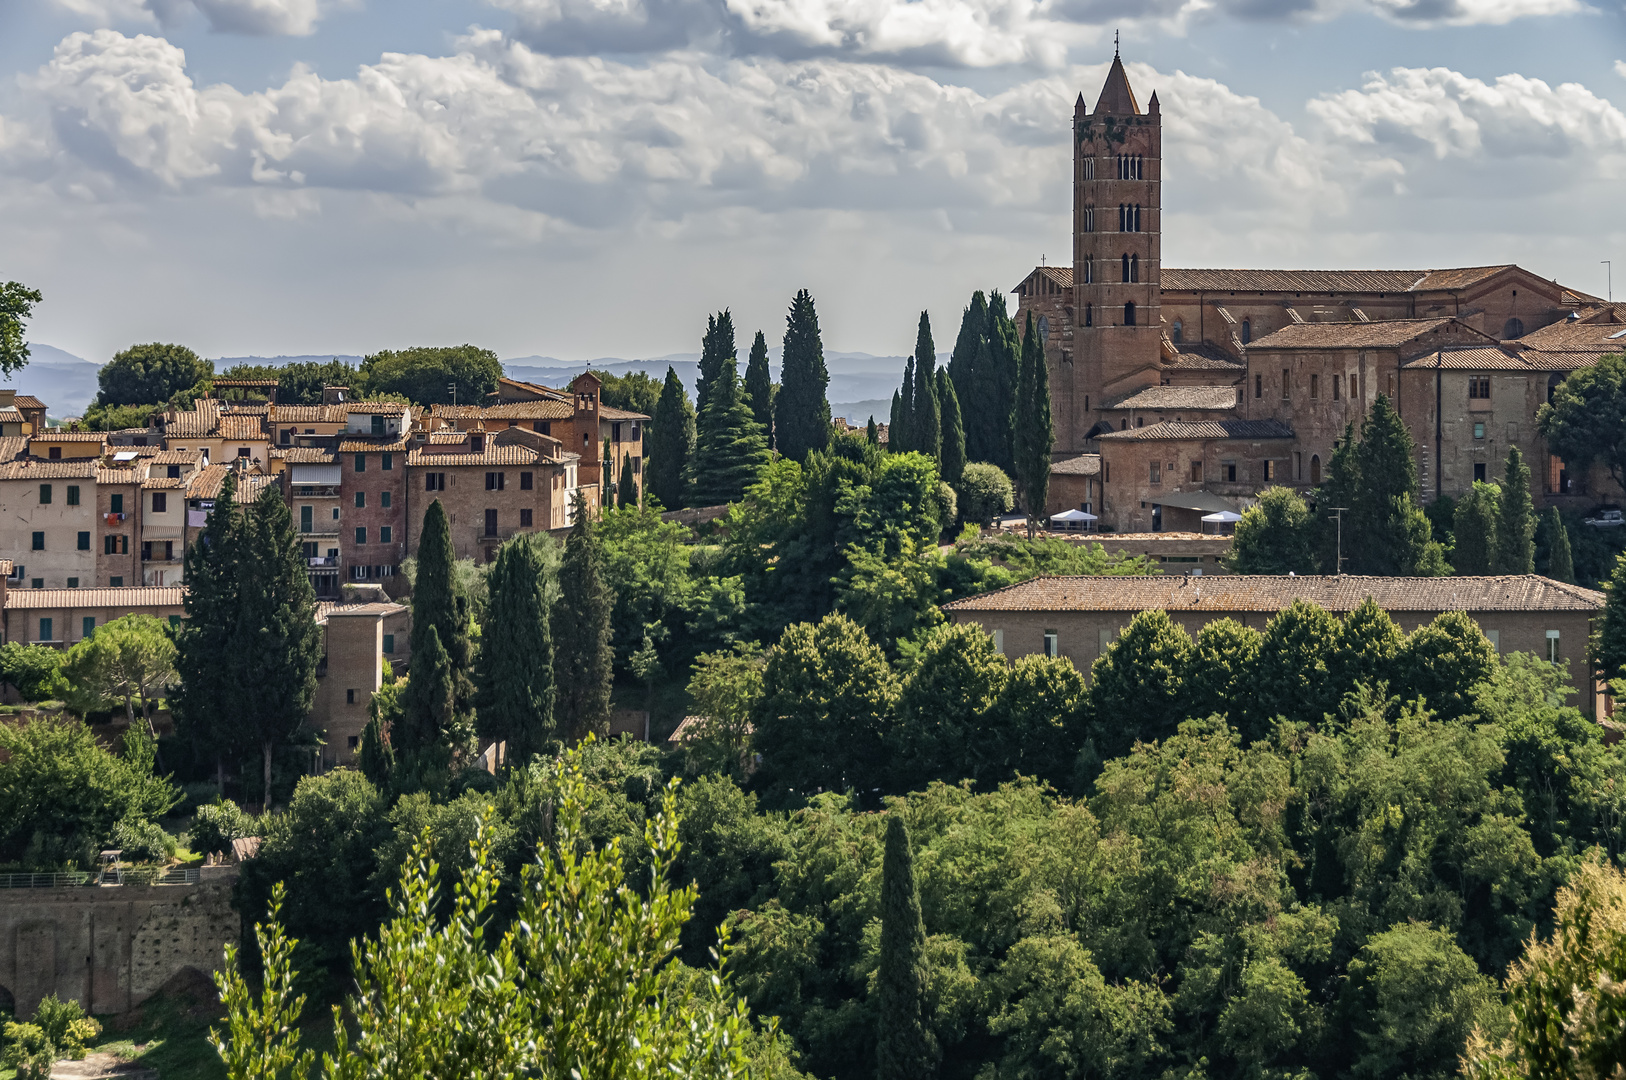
{"x": 1082, "y": 465}
{"x": 56, "y": 436}
{"x": 1173, "y": 430}
{"x": 28, "y": 401}
{"x": 494, "y": 455}
{"x": 1385, "y": 334}
{"x": 1160, "y": 398}
{"x": 130, "y": 596}
{"x": 38, "y": 469}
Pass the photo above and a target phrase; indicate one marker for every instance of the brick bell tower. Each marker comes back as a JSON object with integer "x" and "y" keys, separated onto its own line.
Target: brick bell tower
{"x": 1117, "y": 250}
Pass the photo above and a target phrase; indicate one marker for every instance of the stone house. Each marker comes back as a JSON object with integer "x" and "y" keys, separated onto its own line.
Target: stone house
{"x": 48, "y": 521}
{"x": 1168, "y": 475}
{"x": 597, "y": 432}
{"x": 360, "y": 635}
{"x": 1079, "y": 617}
{"x": 64, "y": 617}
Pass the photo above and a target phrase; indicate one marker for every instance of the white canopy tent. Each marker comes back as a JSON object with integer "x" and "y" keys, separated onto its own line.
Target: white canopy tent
{"x": 1224, "y": 517}
{"x": 1072, "y": 519}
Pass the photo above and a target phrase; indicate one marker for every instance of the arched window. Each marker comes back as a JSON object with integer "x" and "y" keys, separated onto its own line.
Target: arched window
{"x": 1247, "y": 331}
{"x": 1175, "y": 332}
{"x": 1134, "y": 268}
{"x": 1315, "y": 470}
{"x": 1044, "y": 327}
{"x": 1137, "y": 218}
{"x": 1089, "y": 314}
{"x": 1126, "y": 266}
{"x": 1129, "y": 313}
{"x": 1513, "y": 328}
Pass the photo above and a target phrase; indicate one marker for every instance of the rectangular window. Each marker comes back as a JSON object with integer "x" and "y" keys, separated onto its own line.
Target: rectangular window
{"x": 174, "y": 622}
{"x": 1552, "y": 647}
{"x": 306, "y": 522}
{"x": 73, "y": 494}
{"x": 46, "y": 630}
{"x": 110, "y": 545}
{"x": 361, "y": 500}
{"x": 335, "y": 513}
{"x": 384, "y": 499}
{"x": 384, "y": 533}
{"x": 1298, "y": 465}
{"x": 361, "y": 462}
{"x": 1156, "y": 470}
{"x": 525, "y": 518}
{"x": 350, "y": 695}
{"x": 389, "y": 643}
{"x": 1287, "y": 383}
{"x": 999, "y": 642}
{"x": 386, "y": 462}
{"x": 286, "y": 438}
{"x": 434, "y": 481}
{"x": 169, "y": 551}
{"x": 1230, "y": 471}
{"x": 1479, "y": 431}
{"x": 1196, "y": 472}
{"x": 116, "y": 581}
{"x": 1315, "y": 386}
{"x": 84, "y": 541}
{"x": 73, "y": 583}
{"x": 1337, "y": 386}
{"x": 1479, "y": 470}
{"x": 116, "y": 504}
{"x": 494, "y": 481}
{"x": 491, "y": 523}
{"x": 378, "y": 425}
{"x": 37, "y": 583}
{"x": 1052, "y": 644}
{"x": 1106, "y": 640}
{"x": 39, "y": 542}
{"x": 1495, "y": 638}
{"x": 1270, "y": 470}
{"x": 173, "y": 472}
{"x": 525, "y": 481}
{"x": 361, "y": 534}
{"x": 1479, "y": 387}
{"x": 160, "y": 502}
{"x": 146, "y": 551}
{"x": 88, "y": 628}
{"x": 45, "y": 494}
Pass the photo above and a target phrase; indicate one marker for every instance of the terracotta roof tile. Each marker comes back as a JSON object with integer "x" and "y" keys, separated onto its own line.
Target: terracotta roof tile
{"x": 529, "y": 410}
{"x": 447, "y": 438}
{"x": 1325, "y": 281}
{"x": 171, "y": 457}
{"x": 1180, "y": 397}
{"x": 307, "y": 414}
{"x": 38, "y": 469}
{"x": 132, "y": 596}
{"x": 368, "y": 446}
{"x": 327, "y": 610}
{"x": 1388, "y": 334}
{"x": 1083, "y": 465}
{"x": 13, "y": 447}
{"x": 304, "y": 455}
{"x": 494, "y": 455}
{"x": 57, "y": 435}
{"x": 1586, "y": 335}
{"x": 392, "y": 407}
{"x": 1203, "y": 429}
{"x": 1501, "y": 359}
{"x": 117, "y": 476}
{"x": 163, "y": 483}
{"x": 610, "y": 412}
{"x": 28, "y": 401}
{"x": 1201, "y": 356}
{"x": 241, "y": 428}
{"x": 1061, "y": 275}
{"x": 1273, "y": 593}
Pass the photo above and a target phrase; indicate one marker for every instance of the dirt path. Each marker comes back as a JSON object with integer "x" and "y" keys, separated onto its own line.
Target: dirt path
{"x": 97, "y": 1065}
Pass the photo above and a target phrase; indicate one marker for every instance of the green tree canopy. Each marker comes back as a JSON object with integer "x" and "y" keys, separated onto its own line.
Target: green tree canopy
{"x": 801, "y": 409}
{"x": 437, "y": 708}
{"x": 580, "y": 628}
{"x": 985, "y": 492}
{"x": 1474, "y": 528}
{"x": 1034, "y": 432}
{"x": 926, "y": 418}
{"x": 670, "y": 444}
{"x": 717, "y": 351}
{"x": 759, "y": 388}
{"x": 513, "y": 673}
{"x": 1585, "y": 421}
{"x": 1515, "y": 547}
{"x": 151, "y": 374}
{"x": 16, "y": 308}
{"x": 905, "y": 1049}
{"x": 1138, "y": 685}
{"x": 636, "y": 391}
{"x": 953, "y": 457}
{"x": 426, "y": 375}
{"x": 127, "y": 661}
{"x": 1560, "y": 562}
{"x": 1275, "y": 536}
{"x": 730, "y": 449}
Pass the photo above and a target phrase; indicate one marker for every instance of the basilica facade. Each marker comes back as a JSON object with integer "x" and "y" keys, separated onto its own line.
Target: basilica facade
{"x": 1180, "y": 392}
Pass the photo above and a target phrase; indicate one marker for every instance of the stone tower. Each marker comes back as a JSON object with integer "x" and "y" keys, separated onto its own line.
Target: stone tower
{"x": 1117, "y": 253}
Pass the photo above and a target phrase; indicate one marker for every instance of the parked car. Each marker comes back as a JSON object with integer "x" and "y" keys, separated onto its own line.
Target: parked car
{"x": 1605, "y": 519}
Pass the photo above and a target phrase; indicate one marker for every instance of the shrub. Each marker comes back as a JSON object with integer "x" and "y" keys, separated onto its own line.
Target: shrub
{"x": 32, "y": 669}
{"x": 66, "y": 1026}
{"x": 985, "y": 492}
{"x": 28, "y": 1051}
{"x": 142, "y": 841}
{"x": 217, "y": 825}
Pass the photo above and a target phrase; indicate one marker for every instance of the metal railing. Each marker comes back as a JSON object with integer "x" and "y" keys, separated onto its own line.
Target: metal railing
{"x": 136, "y": 875}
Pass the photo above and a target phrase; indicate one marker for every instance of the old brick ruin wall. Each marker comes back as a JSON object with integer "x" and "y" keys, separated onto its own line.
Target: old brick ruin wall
{"x": 111, "y": 947}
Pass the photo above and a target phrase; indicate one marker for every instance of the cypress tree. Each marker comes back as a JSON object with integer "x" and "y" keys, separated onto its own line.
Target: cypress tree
{"x": 905, "y": 1049}
{"x": 903, "y": 436}
{"x": 1474, "y": 526}
{"x": 1560, "y": 563}
{"x": 973, "y": 331}
{"x": 926, "y": 422}
{"x": 894, "y": 420}
{"x": 999, "y": 384}
{"x": 580, "y": 626}
{"x": 430, "y": 733}
{"x": 982, "y": 433}
{"x": 626, "y": 490}
{"x": 205, "y": 699}
{"x": 1383, "y": 534}
{"x": 671, "y": 444}
{"x": 716, "y": 350}
{"x": 953, "y": 460}
{"x": 376, "y": 757}
{"x": 1516, "y": 519}
{"x": 872, "y": 434}
{"x": 1609, "y": 641}
{"x": 1337, "y": 490}
{"x": 1035, "y": 429}
{"x": 731, "y": 450}
{"x": 513, "y": 674}
{"x": 278, "y": 640}
{"x": 801, "y": 409}
{"x": 759, "y": 387}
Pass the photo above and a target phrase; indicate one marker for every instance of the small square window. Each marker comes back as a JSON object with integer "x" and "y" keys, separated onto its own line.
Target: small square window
{"x": 172, "y": 472}
{"x": 84, "y": 541}
{"x": 1479, "y": 431}
{"x": 37, "y": 583}
{"x": 45, "y": 494}
{"x": 116, "y": 504}
{"x": 353, "y": 741}
{"x": 73, "y": 583}
{"x": 55, "y": 453}
{"x": 160, "y": 502}
{"x": 525, "y": 481}
{"x": 115, "y": 582}
{"x": 174, "y": 622}
{"x": 387, "y": 463}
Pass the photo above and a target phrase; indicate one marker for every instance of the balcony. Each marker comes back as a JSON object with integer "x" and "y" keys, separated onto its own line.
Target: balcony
{"x": 324, "y": 562}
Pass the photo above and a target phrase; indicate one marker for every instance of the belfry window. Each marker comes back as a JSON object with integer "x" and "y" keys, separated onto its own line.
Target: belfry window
{"x": 1176, "y": 331}
{"x": 1129, "y": 313}
{"x": 1137, "y": 219}
{"x": 1247, "y": 331}
{"x": 1089, "y": 219}
{"x": 1089, "y": 269}
{"x": 1126, "y": 266}
{"x": 1134, "y": 268}
{"x": 1089, "y": 314}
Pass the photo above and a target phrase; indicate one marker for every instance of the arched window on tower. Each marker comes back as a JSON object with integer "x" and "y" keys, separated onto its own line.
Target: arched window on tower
{"x": 1089, "y": 219}
{"x": 1089, "y": 269}
{"x": 1176, "y": 331}
{"x": 1126, "y": 266}
{"x": 1247, "y": 331}
{"x": 1129, "y": 313}
{"x": 1315, "y": 470}
{"x": 1134, "y": 268}
{"x": 1137, "y": 217}
{"x": 1089, "y": 314}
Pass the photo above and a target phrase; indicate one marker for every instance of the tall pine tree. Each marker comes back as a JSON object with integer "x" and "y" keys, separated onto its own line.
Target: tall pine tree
{"x": 1035, "y": 430}
{"x": 279, "y": 641}
{"x": 953, "y": 460}
{"x": 436, "y": 708}
{"x": 801, "y": 409}
{"x": 1385, "y": 531}
{"x": 716, "y": 350}
{"x": 671, "y": 445}
{"x": 894, "y": 422}
{"x": 759, "y": 387}
{"x": 513, "y": 673}
{"x": 1474, "y": 526}
{"x": 925, "y": 422}
{"x": 1516, "y": 519}
{"x": 904, "y": 1047}
{"x": 580, "y": 628}
{"x": 998, "y": 391}
{"x": 973, "y": 332}
{"x": 206, "y": 697}
{"x": 903, "y": 436}
{"x": 626, "y": 489}
{"x": 872, "y": 434}
{"x": 731, "y": 450}
{"x": 1560, "y": 562}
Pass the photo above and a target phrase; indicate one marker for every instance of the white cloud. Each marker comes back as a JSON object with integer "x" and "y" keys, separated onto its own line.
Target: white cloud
{"x": 257, "y": 17}
{"x": 1620, "y": 68}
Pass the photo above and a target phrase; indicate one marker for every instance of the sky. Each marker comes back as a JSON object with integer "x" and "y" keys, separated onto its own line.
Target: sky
{"x": 589, "y": 178}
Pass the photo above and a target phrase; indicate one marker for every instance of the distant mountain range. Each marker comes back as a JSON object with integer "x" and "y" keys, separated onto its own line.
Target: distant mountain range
{"x": 861, "y": 384}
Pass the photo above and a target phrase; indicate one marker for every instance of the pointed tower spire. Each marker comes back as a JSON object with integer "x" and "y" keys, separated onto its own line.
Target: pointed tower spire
{"x": 1081, "y": 110}
{"x": 1117, "y": 99}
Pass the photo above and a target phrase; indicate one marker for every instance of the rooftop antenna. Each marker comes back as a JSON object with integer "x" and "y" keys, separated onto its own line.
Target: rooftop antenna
{"x": 1115, "y": 44}
{"x": 1609, "y": 278}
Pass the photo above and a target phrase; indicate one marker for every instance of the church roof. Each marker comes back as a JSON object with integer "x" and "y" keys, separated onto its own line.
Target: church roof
{"x": 1180, "y": 430}
{"x": 1384, "y": 334}
{"x": 1179, "y": 397}
{"x": 1326, "y": 281}
{"x": 1201, "y": 356}
{"x": 1117, "y": 99}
